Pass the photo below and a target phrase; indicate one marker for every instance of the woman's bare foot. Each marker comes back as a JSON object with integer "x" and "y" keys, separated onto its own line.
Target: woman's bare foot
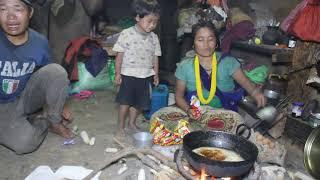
{"x": 61, "y": 130}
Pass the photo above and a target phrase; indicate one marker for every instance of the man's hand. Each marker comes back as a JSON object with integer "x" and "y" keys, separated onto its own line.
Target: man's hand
{"x": 156, "y": 80}
{"x": 66, "y": 115}
{"x": 61, "y": 130}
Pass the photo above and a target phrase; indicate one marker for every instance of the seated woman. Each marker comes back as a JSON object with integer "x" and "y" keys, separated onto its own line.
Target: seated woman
{"x": 211, "y": 77}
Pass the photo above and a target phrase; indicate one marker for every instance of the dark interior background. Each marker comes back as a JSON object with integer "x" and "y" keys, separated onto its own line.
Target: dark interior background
{"x": 76, "y": 18}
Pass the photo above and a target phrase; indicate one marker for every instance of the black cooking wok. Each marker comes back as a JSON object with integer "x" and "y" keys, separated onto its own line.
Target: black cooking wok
{"x": 247, "y": 150}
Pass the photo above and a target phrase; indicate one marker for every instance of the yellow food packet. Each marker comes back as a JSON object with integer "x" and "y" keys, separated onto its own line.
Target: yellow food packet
{"x": 181, "y": 123}
{"x": 154, "y": 124}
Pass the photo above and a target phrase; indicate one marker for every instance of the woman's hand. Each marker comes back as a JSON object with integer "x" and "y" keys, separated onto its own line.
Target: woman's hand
{"x": 181, "y": 87}
{"x": 193, "y": 114}
{"x": 118, "y": 79}
{"x": 254, "y": 91}
{"x": 260, "y": 99}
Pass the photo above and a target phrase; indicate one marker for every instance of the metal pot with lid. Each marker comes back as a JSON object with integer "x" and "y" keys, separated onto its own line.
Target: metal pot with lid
{"x": 277, "y": 83}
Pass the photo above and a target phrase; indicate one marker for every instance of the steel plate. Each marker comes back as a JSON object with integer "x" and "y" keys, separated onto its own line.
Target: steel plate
{"x": 312, "y": 153}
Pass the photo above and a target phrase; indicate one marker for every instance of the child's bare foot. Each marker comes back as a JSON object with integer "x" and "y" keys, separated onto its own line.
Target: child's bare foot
{"x": 61, "y": 130}
{"x": 134, "y": 127}
{"x": 120, "y": 133}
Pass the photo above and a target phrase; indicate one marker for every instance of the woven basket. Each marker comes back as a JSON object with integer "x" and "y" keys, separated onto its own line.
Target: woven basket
{"x": 297, "y": 129}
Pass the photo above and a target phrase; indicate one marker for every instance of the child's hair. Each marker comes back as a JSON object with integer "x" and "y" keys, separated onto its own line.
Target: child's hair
{"x": 143, "y": 8}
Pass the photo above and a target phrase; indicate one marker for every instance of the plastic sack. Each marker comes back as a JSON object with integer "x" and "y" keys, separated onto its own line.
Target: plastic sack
{"x": 291, "y": 17}
{"x": 184, "y": 16}
{"x": 258, "y": 75}
{"x": 126, "y": 22}
{"x": 88, "y": 82}
{"x": 111, "y": 69}
{"x": 305, "y": 25}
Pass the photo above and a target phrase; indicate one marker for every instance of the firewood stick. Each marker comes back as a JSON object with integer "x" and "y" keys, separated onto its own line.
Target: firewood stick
{"x": 140, "y": 154}
{"x": 172, "y": 174}
{"x": 124, "y": 153}
{"x": 145, "y": 160}
{"x": 164, "y": 160}
{"x": 119, "y": 143}
{"x": 180, "y": 166}
{"x": 119, "y": 155}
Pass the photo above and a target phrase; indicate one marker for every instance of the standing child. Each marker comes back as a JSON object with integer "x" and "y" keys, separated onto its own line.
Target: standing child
{"x": 138, "y": 49}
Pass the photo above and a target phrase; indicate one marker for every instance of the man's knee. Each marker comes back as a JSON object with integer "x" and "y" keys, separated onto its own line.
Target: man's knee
{"x": 54, "y": 72}
{"x": 27, "y": 143}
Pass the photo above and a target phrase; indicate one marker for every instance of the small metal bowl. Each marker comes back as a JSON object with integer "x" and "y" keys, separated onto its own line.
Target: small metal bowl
{"x": 248, "y": 104}
{"x": 271, "y": 94}
{"x": 268, "y": 113}
{"x": 142, "y": 140}
{"x": 314, "y": 119}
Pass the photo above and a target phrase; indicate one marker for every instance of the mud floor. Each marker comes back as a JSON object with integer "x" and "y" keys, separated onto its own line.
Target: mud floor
{"x": 97, "y": 116}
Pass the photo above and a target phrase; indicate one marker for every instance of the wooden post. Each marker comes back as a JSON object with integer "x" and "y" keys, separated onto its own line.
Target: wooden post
{"x": 304, "y": 55}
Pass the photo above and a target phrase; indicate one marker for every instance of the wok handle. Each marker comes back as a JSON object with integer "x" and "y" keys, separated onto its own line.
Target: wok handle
{"x": 246, "y": 128}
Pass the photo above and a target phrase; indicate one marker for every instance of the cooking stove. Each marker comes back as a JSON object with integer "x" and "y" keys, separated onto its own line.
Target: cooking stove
{"x": 186, "y": 170}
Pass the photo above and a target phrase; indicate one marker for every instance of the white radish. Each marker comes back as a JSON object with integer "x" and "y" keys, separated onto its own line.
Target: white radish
{"x": 111, "y": 150}
{"x": 92, "y": 141}
{"x": 85, "y": 137}
{"x": 75, "y": 128}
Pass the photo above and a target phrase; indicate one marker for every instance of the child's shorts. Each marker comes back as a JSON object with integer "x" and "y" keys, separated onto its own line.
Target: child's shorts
{"x": 135, "y": 92}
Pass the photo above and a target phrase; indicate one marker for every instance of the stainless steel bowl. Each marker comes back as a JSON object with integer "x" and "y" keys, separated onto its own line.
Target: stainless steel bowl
{"x": 268, "y": 113}
{"x": 314, "y": 119}
{"x": 142, "y": 140}
{"x": 248, "y": 104}
{"x": 271, "y": 94}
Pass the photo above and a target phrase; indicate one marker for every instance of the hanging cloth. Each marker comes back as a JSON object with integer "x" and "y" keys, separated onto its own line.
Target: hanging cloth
{"x": 304, "y": 21}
